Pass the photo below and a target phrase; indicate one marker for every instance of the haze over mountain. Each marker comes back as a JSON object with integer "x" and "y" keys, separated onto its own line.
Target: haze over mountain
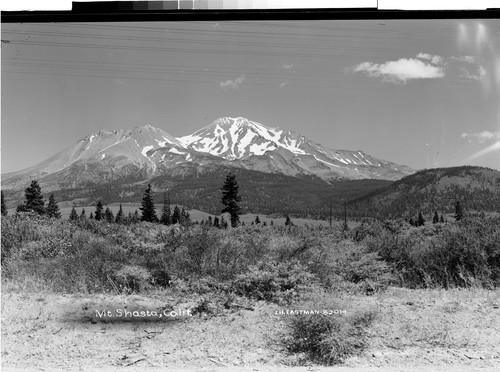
{"x": 145, "y": 152}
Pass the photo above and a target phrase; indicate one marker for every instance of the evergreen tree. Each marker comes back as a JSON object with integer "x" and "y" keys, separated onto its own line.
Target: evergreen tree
{"x": 148, "y": 207}
{"x": 82, "y": 215}
{"x": 34, "y": 199}
{"x": 135, "y": 217}
{"x": 264, "y": 223}
{"x": 288, "y": 221}
{"x": 257, "y": 220}
{"x": 91, "y": 216}
{"x": 272, "y": 223}
{"x": 411, "y": 222}
{"x": 52, "y": 208}
{"x": 209, "y": 221}
{"x": 459, "y": 212}
{"x": 441, "y": 219}
{"x": 185, "y": 219}
{"x": 176, "y": 216}
{"x": 108, "y": 215}
{"x": 4, "y": 208}
{"x": 216, "y": 222}
{"x": 166, "y": 218}
{"x": 435, "y": 219}
{"x": 73, "y": 216}
{"x": 230, "y": 199}
{"x": 120, "y": 216}
{"x": 420, "y": 221}
{"x": 98, "y": 211}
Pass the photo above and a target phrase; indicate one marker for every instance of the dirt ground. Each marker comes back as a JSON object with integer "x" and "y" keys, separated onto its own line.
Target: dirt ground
{"x": 413, "y": 331}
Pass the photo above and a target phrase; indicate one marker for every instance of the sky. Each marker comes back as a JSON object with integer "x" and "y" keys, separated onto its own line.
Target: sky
{"x": 423, "y": 93}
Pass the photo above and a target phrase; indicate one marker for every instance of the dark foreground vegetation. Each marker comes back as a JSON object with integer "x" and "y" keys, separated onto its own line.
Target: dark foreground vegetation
{"x": 280, "y": 264}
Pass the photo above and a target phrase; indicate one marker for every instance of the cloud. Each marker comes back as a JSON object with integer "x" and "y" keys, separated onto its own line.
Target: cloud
{"x": 288, "y": 67}
{"x": 232, "y": 84}
{"x": 479, "y": 76}
{"x": 404, "y": 69}
{"x": 464, "y": 59}
{"x": 482, "y": 137}
{"x": 433, "y": 58}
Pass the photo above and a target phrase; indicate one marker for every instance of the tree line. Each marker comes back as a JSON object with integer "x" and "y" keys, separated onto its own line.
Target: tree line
{"x": 34, "y": 202}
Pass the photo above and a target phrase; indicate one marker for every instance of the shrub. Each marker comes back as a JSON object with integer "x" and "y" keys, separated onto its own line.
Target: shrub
{"x": 270, "y": 281}
{"x": 326, "y": 338}
{"x": 132, "y": 279}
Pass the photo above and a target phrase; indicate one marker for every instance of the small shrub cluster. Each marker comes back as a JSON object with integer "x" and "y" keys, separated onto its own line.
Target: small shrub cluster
{"x": 272, "y": 281}
{"x": 326, "y": 338}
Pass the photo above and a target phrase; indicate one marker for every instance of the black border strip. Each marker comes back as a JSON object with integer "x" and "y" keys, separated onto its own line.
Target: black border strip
{"x": 111, "y": 12}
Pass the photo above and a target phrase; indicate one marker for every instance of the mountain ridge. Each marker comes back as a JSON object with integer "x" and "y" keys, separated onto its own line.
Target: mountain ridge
{"x": 104, "y": 156}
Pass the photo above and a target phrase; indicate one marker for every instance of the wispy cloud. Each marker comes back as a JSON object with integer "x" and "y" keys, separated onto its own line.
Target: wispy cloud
{"x": 464, "y": 59}
{"x": 232, "y": 84}
{"x": 479, "y": 76}
{"x": 482, "y": 137}
{"x": 289, "y": 67}
{"x": 424, "y": 66}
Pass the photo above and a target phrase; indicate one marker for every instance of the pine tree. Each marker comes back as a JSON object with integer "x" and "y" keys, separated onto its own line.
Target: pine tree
{"x": 166, "y": 218}
{"x": 52, "y": 208}
{"x": 185, "y": 219}
{"x": 108, "y": 215}
{"x": 73, "y": 215}
{"x": 411, "y": 222}
{"x": 257, "y": 220}
{"x": 459, "y": 212}
{"x": 148, "y": 207}
{"x": 288, "y": 221}
{"x": 209, "y": 221}
{"x": 441, "y": 219}
{"x": 4, "y": 208}
{"x": 34, "y": 199}
{"x": 230, "y": 199}
{"x": 98, "y": 211}
{"x": 120, "y": 216}
{"x": 435, "y": 219}
{"x": 264, "y": 223}
{"x": 82, "y": 215}
{"x": 216, "y": 222}
{"x": 176, "y": 216}
{"x": 135, "y": 217}
{"x": 420, "y": 221}
{"x": 91, "y": 216}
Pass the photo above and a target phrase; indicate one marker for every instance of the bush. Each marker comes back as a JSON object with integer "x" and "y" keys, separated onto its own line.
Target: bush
{"x": 130, "y": 279}
{"x": 460, "y": 254}
{"x": 270, "y": 281}
{"x": 326, "y": 338}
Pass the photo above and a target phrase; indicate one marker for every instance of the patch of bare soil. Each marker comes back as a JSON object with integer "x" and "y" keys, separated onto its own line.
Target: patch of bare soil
{"x": 414, "y": 330}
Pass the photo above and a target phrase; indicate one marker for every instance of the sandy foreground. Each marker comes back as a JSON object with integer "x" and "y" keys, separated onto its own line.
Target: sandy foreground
{"x": 456, "y": 330}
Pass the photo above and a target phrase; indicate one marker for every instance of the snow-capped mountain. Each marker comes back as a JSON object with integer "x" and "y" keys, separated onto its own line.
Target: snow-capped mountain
{"x": 145, "y": 152}
{"x": 259, "y": 147}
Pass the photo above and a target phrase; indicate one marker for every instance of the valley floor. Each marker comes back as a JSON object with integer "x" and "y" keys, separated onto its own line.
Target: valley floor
{"x": 415, "y": 330}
